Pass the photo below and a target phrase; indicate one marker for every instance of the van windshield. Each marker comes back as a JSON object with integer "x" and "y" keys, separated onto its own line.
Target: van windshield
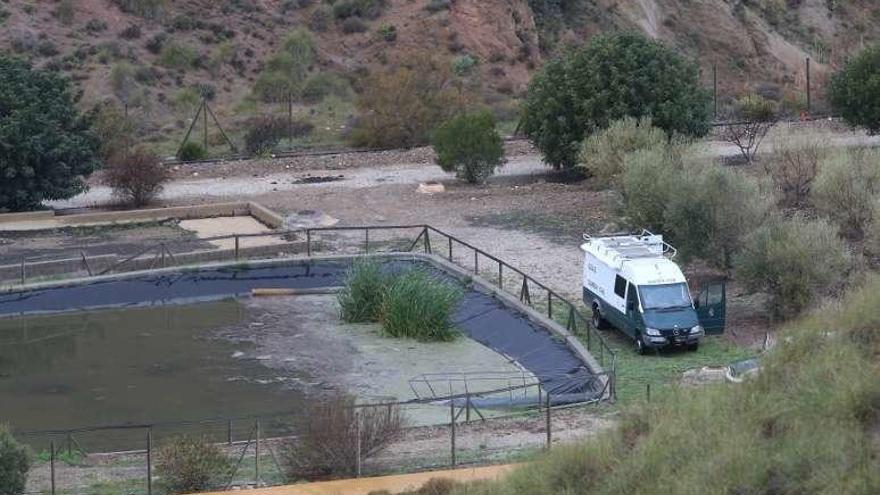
{"x": 665, "y": 296}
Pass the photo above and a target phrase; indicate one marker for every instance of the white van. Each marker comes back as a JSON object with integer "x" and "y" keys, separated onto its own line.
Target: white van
{"x": 631, "y": 283}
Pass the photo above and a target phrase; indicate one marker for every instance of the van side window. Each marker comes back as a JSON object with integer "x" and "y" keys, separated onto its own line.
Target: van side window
{"x": 620, "y": 286}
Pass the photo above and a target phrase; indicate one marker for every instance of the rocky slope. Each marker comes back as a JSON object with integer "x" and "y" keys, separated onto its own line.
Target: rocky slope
{"x": 117, "y": 49}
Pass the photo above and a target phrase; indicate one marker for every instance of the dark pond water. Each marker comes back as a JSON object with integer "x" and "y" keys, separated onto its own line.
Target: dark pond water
{"x": 138, "y": 365}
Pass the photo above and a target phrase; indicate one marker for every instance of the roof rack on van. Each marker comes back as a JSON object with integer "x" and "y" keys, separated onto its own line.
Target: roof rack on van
{"x": 631, "y": 246}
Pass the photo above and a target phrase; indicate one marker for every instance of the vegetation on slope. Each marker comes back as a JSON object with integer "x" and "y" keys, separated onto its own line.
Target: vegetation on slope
{"x": 808, "y": 423}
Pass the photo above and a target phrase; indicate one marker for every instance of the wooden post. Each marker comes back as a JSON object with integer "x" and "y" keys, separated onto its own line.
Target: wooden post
{"x": 23, "y": 275}
{"x": 809, "y": 89}
{"x": 357, "y": 419}
{"x": 236, "y": 247}
{"x": 150, "y": 460}
{"x": 476, "y": 262}
{"x": 452, "y": 426}
{"x": 257, "y": 455}
{"x": 549, "y": 429}
{"x": 229, "y": 432}
{"x": 450, "y": 248}
{"x": 549, "y": 305}
{"x": 205, "y": 123}
{"x": 290, "y": 119}
{"x": 309, "y": 242}
{"x": 52, "y": 464}
{"x": 715, "y": 90}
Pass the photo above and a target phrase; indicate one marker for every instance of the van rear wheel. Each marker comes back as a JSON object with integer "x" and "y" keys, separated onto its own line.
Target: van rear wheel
{"x": 598, "y": 322}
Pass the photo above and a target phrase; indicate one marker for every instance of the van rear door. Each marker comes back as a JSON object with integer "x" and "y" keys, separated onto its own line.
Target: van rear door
{"x": 712, "y": 307}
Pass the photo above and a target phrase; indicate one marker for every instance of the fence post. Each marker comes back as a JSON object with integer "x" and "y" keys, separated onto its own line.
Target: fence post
{"x": 467, "y": 411}
{"x": 309, "y": 242}
{"x": 257, "y": 455}
{"x": 229, "y": 432}
{"x": 809, "y": 89}
{"x": 450, "y": 249}
{"x": 500, "y": 279}
{"x": 367, "y": 240}
{"x": 549, "y": 430}
{"x": 476, "y": 262}
{"x": 236, "y": 247}
{"x": 357, "y": 420}
{"x": 23, "y": 275}
{"x": 549, "y": 305}
{"x": 149, "y": 460}
{"x": 715, "y": 90}
{"x": 648, "y": 391}
{"x": 452, "y": 426}
{"x": 52, "y": 464}
{"x": 427, "y": 241}
{"x": 69, "y": 444}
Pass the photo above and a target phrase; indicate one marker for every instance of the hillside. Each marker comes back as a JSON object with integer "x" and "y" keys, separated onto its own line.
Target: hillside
{"x": 159, "y": 56}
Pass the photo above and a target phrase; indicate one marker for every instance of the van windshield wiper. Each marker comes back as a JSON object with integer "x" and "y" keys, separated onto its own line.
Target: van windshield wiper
{"x": 671, "y": 308}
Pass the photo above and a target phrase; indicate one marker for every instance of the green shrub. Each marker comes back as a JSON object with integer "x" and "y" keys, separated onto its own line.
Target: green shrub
{"x": 323, "y": 84}
{"x": 175, "y": 55}
{"x": 470, "y": 146}
{"x": 188, "y": 464}
{"x": 388, "y": 32}
{"x": 48, "y": 148}
{"x": 403, "y": 106}
{"x": 112, "y": 128}
{"x": 464, "y": 65}
{"x": 853, "y": 93}
{"x": 15, "y": 462}
{"x": 648, "y": 182}
{"x": 353, "y": 25}
{"x": 710, "y": 211}
{"x": 612, "y": 77}
{"x": 321, "y": 18}
{"x": 602, "y": 154}
{"x": 65, "y": 12}
{"x": 846, "y": 188}
{"x": 360, "y": 299}
{"x": 286, "y": 71}
{"x": 264, "y": 133}
{"x": 793, "y": 261}
{"x": 419, "y": 305}
{"x": 367, "y": 9}
{"x": 145, "y": 8}
{"x": 156, "y": 42}
{"x": 192, "y": 151}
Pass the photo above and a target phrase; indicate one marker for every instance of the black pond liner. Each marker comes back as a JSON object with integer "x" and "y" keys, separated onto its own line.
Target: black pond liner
{"x": 480, "y": 315}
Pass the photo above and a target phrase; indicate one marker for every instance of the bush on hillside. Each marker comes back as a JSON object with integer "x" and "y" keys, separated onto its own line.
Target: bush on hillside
{"x": 327, "y": 440}
{"x": 367, "y": 9}
{"x": 401, "y": 108}
{"x": 470, "y": 146}
{"x": 360, "y": 299}
{"x": 353, "y": 25}
{"x": 192, "y": 151}
{"x": 846, "y": 188}
{"x": 853, "y": 90}
{"x": 47, "y": 147}
{"x": 286, "y": 71}
{"x": 794, "y": 165}
{"x": 612, "y": 77}
{"x": 602, "y": 154}
{"x": 150, "y": 9}
{"x": 419, "y": 305}
{"x": 177, "y": 55}
{"x": 817, "y": 392}
{"x": 112, "y": 128}
{"x": 15, "y": 462}
{"x": 136, "y": 177}
{"x": 793, "y": 261}
{"x": 264, "y": 133}
{"x": 189, "y": 464}
{"x": 649, "y": 180}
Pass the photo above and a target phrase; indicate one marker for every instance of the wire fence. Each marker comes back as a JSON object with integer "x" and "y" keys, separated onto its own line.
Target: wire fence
{"x": 458, "y": 430}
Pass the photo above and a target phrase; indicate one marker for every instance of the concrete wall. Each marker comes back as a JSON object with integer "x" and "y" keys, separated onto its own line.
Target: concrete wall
{"x": 258, "y": 211}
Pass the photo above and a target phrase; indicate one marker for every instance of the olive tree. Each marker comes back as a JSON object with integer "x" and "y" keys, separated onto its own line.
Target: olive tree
{"x": 470, "y": 146}
{"x": 612, "y": 77}
{"x": 46, "y": 147}
{"x": 15, "y": 461}
{"x": 854, "y": 91}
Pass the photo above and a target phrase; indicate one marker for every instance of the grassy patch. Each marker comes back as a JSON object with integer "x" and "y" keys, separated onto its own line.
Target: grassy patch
{"x": 419, "y": 305}
{"x": 360, "y": 299}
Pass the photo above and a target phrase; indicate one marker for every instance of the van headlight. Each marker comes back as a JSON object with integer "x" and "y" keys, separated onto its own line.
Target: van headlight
{"x": 697, "y": 330}
{"x": 653, "y": 332}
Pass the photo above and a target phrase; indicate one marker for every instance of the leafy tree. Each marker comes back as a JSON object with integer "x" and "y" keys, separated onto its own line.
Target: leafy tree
{"x": 286, "y": 71}
{"x": 470, "y": 146}
{"x": 610, "y": 78}
{"x": 854, "y": 92}
{"x": 46, "y": 147}
{"x": 15, "y": 461}
{"x": 403, "y": 106}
